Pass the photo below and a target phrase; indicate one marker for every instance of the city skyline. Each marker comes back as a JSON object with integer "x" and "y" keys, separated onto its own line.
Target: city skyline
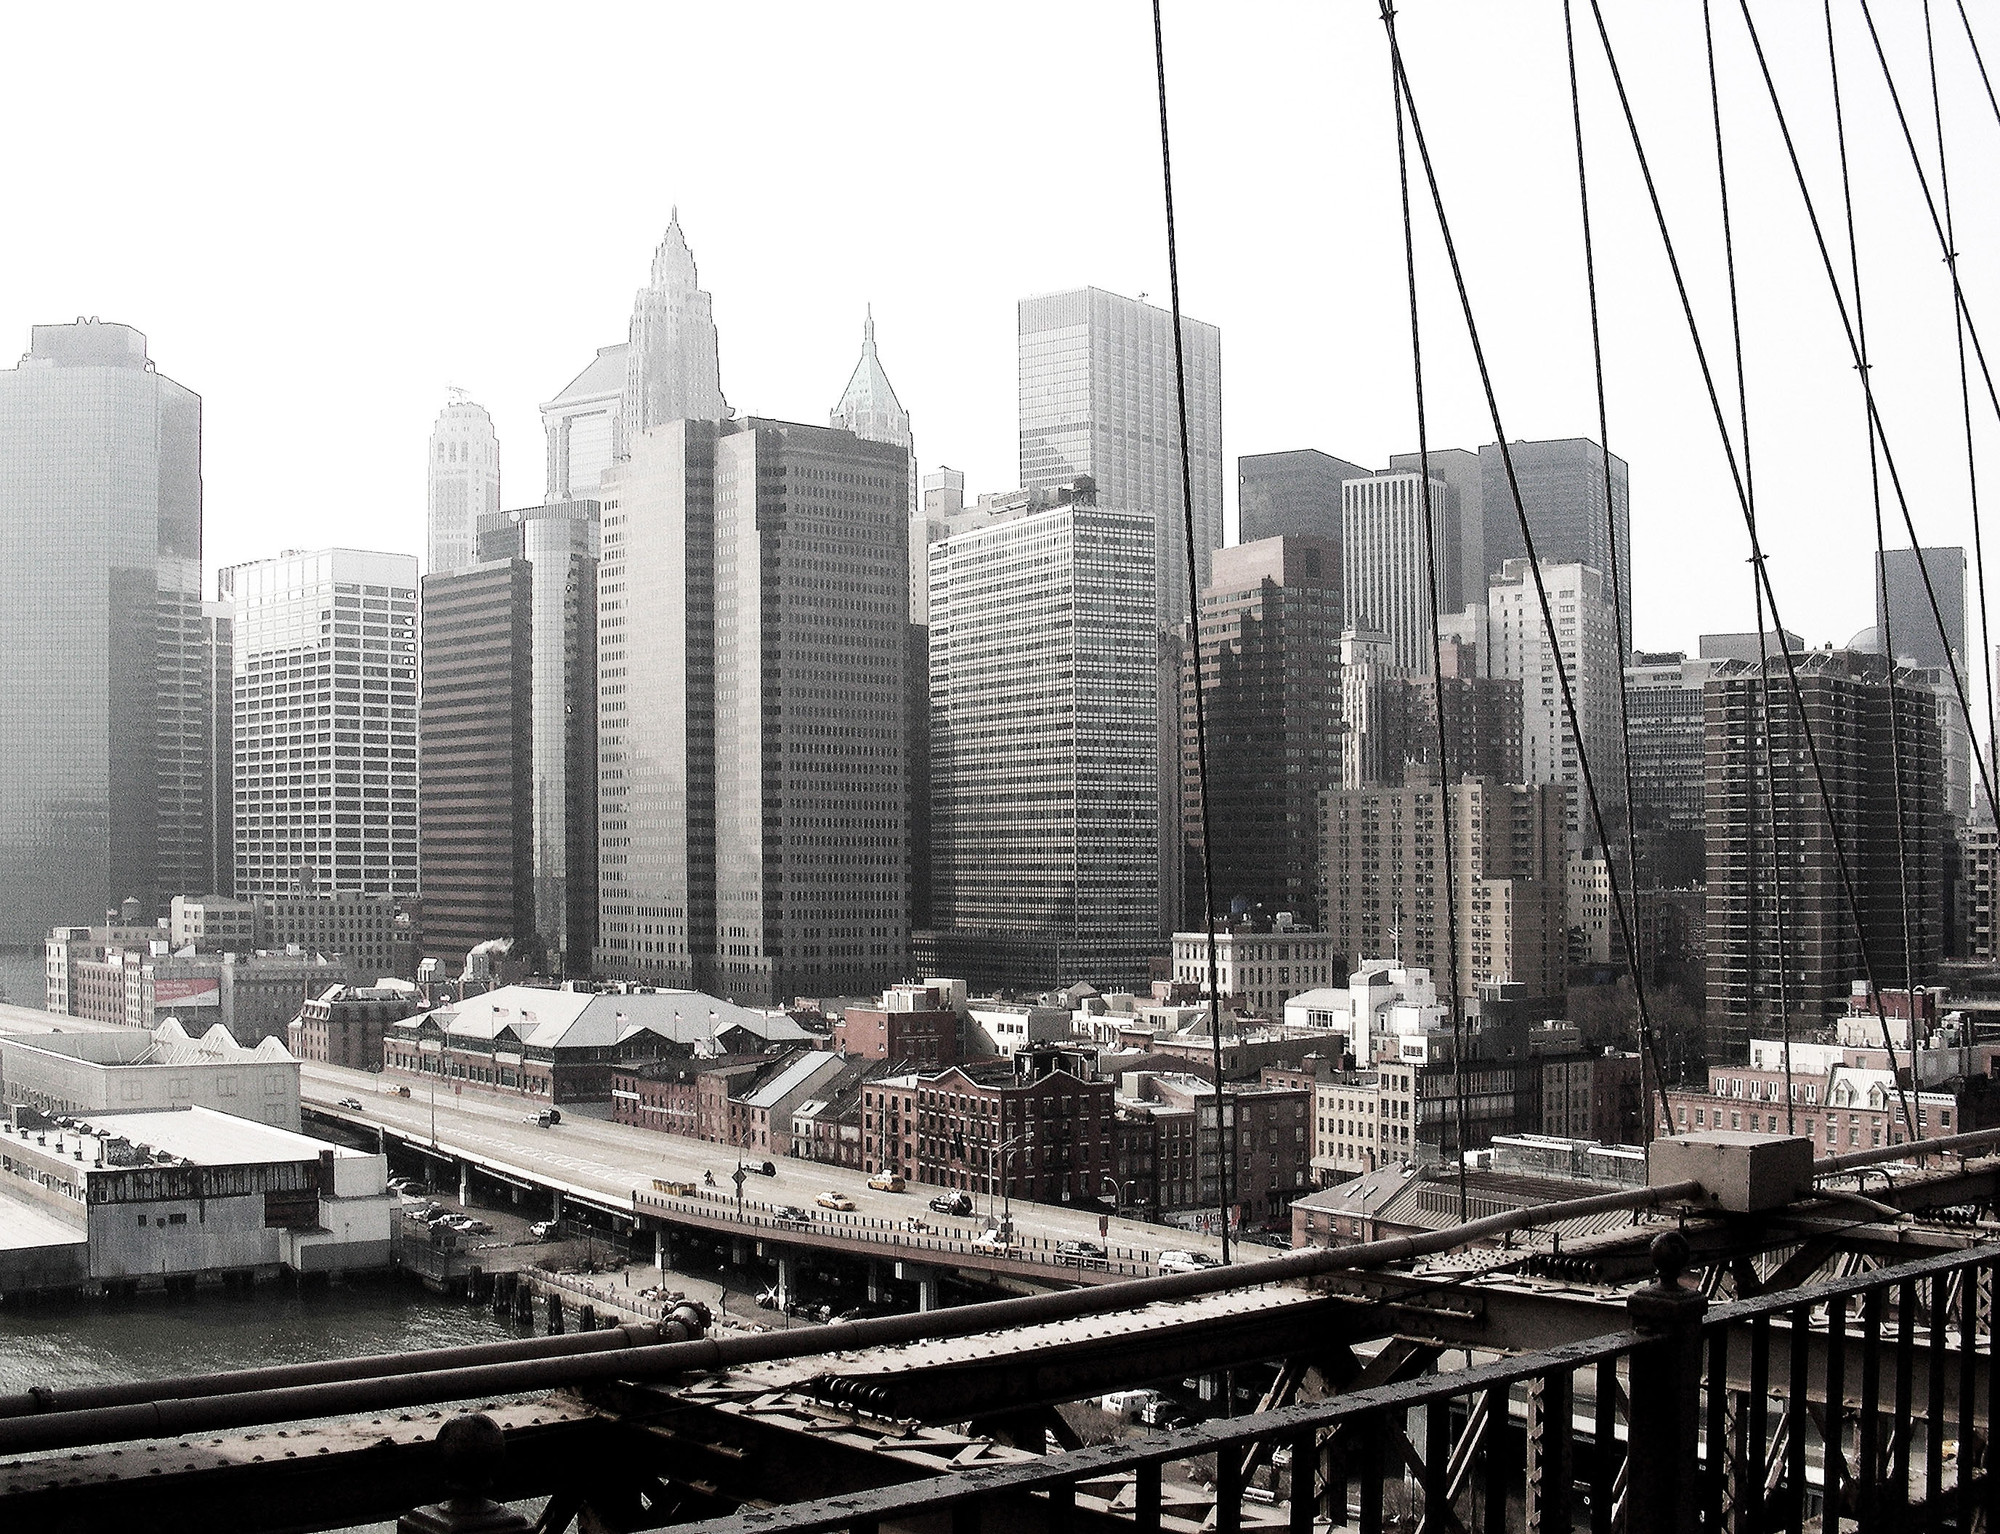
{"x": 1257, "y": 262}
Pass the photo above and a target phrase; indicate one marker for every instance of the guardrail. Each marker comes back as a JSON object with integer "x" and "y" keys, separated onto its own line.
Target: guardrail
{"x": 1029, "y": 1252}
{"x": 1830, "y": 1427}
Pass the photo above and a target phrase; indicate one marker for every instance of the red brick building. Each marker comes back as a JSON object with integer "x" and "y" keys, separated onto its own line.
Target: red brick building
{"x": 1035, "y": 1127}
{"x": 345, "y": 1025}
{"x": 912, "y": 1023}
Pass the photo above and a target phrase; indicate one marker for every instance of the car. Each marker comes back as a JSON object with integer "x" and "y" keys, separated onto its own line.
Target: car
{"x": 1185, "y": 1262}
{"x": 762, "y": 1168}
{"x": 403, "y": 1185}
{"x": 886, "y": 1182}
{"x": 545, "y": 1230}
{"x": 352, "y": 1103}
{"x": 792, "y": 1214}
{"x": 996, "y": 1241}
{"x": 402, "y": 1091}
{"x": 959, "y": 1203}
{"x": 834, "y": 1199}
{"x": 548, "y": 1118}
{"x": 1081, "y": 1254}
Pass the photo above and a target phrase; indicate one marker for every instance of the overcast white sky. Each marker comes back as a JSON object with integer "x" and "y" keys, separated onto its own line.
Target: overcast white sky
{"x": 322, "y": 218}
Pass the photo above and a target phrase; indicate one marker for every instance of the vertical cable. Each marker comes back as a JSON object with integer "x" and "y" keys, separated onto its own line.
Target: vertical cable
{"x": 1447, "y": 788}
{"x": 1964, "y": 378}
{"x": 1224, "y": 1131}
{"x": 1610, "y": 519}
{"x": 1757, "y": 604}
{"x": 1883, "y": 636}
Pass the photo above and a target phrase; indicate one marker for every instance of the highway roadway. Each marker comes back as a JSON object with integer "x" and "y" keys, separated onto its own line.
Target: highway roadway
{"x": 614, "y": 1160}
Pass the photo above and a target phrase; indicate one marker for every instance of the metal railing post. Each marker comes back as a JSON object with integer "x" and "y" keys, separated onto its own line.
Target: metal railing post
{"x": 1665, "y": 1396}
{"x": 470, "y": 1450}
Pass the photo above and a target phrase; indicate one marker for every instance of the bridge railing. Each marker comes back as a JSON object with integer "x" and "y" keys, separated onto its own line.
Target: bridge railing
{"x": 1119, "y": 1261}
{"x": 1866, "y": 1401}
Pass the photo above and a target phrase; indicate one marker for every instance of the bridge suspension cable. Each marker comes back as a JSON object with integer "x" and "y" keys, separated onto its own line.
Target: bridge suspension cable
{"x": 1563, "y": 680}
{"x": 1843, "y": 866}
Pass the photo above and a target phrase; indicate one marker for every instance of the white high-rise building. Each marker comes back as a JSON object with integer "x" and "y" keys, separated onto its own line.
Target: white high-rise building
{"x": 465, "y": 482}
{"x": 1587, "y": 635}
{"x": 667, "y": 369}
{"x": 324, "y": 730}
{"x": 1045, "y": 747}
{"x": 1383, "y": 564}
{"x": 1098, "y": 398}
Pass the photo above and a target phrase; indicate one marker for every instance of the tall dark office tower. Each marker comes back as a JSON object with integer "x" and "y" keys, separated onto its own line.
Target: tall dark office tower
{"x": 752, "y": 644}
{"x": 1562, "y": 491}
{"x": 1045, "y": 747}
{"x": 475, "y": 736}
{"x": 1293, "y": 494}
{"x": 102, "y": 735}
{"x": 917, "y": 719}
{"x": 1664, "y": 739}
{"x": 1270, "y": 679}
{"x": 1853, "y": 705}
{"x": 560, "y": 544}
{"x": 1098, "y": 399}
{"x": 1904, "y": 607}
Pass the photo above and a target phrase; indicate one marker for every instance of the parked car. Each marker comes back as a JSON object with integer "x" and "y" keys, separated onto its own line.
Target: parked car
{"x": 959, "y": 1203}
{"x": 403, "y": 1185}
{"x": 1165, "y": 1412}
{"x": 834, "y": 1199}
{"x": 886, "y": 1182}
{"x": 353, "y": 1103}
{"x": 1186, "y": 1262}
{"x": 423, "y": 1212}
{"x": 1081, "y": 1254}
{"x": 544, "y": 1230}
{"x": 792, "y": 1213}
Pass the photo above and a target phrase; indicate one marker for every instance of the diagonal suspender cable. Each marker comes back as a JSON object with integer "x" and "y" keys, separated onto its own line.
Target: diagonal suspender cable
{"x": 1843, "y": 867}
{"x": 1447, "y": 788}
{"x": 1964, "y": 378}
{"x": 1978, "y": 351}
{"x": 1225, "y": 1132}
{"x": 1618, "y": 893}
{"x": 1979, "y": 59}
{"x": 1755, "y": 967}
{"x": 1885, "y": 637}
{"x": 1610, "y": 510}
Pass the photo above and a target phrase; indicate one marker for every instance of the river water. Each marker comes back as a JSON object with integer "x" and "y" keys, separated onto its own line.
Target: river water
{"x": 78, "y": 1342}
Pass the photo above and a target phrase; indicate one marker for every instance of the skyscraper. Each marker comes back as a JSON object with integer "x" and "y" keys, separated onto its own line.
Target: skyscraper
{"x": 1562, "y": 491}
{"x": 1903, "y": 607}
{"x": 1389, "y": 719}
{"x": 1270, "y": 679}
{"x": 1294, "y": 494}
{"x": 1664, "y": 737}
{"x": 559, "y": 544}
{"x": 1386, "y": 570}
{"x": 1045, "y": 747}
{"x": 869, "y": 407}
{"x": 465, "y": 482}
{"x": 1853, "y": 703}
{"x": 751, "y": 673}
{"x": 1517, "y": 645}
{"x": 476, "y": 744}
{"x": 668, "y": 369}
{"x": 324, "y": 729}
{"x": 1098, "y": 398}
{"x": 103, "y": 723}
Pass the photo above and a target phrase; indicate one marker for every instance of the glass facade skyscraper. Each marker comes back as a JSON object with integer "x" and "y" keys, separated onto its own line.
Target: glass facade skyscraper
{"x": 1098, "y": 398}
{"x": 324, "y": 723}
{"x": 1562, "y": 492}
{"x": 1045, "y": 748}
{"x": 103, "y": 734}
{"x": 753, "y": 810}
{"x": 560, "y": 545}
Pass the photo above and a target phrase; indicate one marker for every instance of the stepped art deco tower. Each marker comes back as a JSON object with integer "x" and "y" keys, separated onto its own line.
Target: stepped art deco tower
{"x": 667, "y": 369}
